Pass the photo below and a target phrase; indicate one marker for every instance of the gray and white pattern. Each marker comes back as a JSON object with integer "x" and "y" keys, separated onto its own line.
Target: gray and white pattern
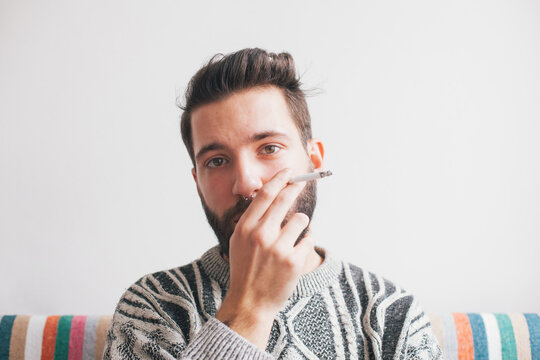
{"x": 338, "y": 311}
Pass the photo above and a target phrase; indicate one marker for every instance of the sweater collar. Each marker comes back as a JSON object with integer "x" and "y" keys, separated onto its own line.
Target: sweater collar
{"x": 308, "y": 284}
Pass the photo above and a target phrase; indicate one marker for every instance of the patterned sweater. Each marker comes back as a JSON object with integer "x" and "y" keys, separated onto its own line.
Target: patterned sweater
{"x": 337, "y": 311}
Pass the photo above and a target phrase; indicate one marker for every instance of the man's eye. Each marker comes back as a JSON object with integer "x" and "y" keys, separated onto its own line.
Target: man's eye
{"x": 270, "y": 149}
{"x": 216, "y": 162}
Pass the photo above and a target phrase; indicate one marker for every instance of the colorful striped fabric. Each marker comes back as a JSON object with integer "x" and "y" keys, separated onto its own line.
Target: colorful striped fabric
{"x": 462, "y": 336}
{"x": 488, "y": 336}
{"x": 53, "y": 337}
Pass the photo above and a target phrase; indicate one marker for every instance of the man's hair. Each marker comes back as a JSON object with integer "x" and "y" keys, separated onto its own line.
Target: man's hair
{"x": 224, "y": 75}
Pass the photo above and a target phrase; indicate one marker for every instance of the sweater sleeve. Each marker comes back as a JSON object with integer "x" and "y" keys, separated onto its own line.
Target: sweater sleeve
{"x": 420, "y": 342}
{"x": 141, "y": 329}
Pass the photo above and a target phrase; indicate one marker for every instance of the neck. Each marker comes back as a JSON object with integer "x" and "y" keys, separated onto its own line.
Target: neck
{"x": 313, "y": 260}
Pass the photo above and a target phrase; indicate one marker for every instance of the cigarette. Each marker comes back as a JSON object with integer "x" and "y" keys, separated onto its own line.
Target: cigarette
{"x": 310, "y": 176}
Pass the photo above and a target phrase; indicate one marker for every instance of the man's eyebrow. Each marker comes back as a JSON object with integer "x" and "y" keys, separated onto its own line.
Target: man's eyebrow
{"x": 253, "y": 138}
{"x": 210, "y": 147}
{"x": 265, "y": 134}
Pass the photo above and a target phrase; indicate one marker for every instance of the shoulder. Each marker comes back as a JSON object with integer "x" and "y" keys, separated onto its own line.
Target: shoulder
{"x": 181, "y": 281}
{"x": 163, "y": 298}
{"x": 179, "y": 290}
{"x": 374, "y": 285}
{"x": 155, "y": 314}
{"x": 161, "y": 288}
{"x": 390, "y": 311}
{"x": 377, "y": 293}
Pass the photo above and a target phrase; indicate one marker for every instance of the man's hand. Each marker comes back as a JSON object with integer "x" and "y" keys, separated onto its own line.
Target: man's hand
{"x": 264, "y": 262}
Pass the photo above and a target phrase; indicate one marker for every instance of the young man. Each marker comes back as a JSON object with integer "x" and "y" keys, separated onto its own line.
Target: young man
{"x": 266, "y": 291}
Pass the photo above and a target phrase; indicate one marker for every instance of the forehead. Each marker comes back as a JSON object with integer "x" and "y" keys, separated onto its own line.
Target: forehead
{"x": 234, "y": 119}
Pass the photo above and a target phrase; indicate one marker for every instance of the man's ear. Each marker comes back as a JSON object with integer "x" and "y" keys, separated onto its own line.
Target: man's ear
{"x": 316, "y": 153}
{"x": 194, "y": 174}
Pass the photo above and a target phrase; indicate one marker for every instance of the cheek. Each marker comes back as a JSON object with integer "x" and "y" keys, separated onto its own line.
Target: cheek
{"x": 216, "y": 192}
{"x": 272, "y": 168}
{"x": 302, "y": 163}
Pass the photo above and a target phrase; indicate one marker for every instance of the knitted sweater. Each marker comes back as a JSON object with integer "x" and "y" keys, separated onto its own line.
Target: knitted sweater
{"x": 337, "y": 311}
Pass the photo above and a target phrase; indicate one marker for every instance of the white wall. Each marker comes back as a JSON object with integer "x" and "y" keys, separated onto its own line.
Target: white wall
{"x": 430, "y": 116}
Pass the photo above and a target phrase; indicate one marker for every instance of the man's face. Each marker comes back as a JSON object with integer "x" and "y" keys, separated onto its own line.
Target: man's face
{"x": 240, "y": 143}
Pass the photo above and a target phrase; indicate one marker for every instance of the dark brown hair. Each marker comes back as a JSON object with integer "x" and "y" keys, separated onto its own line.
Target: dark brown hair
{"x": 241, "y": 70}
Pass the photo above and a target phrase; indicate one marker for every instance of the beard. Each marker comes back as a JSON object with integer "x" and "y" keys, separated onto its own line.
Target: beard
{"x": 224, "y": 226}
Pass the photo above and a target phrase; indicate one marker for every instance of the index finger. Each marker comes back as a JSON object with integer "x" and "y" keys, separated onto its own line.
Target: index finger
{"x": 266, "y": 195}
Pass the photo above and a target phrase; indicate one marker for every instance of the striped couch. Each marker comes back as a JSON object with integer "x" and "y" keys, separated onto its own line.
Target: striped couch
{"x": 462, "y": 336}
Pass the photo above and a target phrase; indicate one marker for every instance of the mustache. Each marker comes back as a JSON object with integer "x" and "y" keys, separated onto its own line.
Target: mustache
{"x": 238, "y": 209}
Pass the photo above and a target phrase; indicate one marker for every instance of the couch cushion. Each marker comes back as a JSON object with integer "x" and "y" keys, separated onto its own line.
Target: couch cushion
{"x": 461, "y": 335}
{"x": 53, "y": 337}
{"x": 488, "y": 335}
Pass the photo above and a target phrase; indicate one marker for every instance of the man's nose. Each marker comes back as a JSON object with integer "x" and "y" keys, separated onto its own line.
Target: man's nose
{"x": 247, "y": 180}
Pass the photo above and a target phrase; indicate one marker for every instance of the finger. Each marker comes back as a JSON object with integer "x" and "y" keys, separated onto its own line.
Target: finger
{"x": 282, "y": 204}
{"x": 294, "y": 227}
{"x": 302, "y": 250}
{"x": 266, "y": 195}
{"x": 304, "y": 246}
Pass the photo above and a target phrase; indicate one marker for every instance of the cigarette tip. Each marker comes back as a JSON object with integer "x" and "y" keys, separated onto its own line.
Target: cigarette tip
{"x": 326, "y": 173}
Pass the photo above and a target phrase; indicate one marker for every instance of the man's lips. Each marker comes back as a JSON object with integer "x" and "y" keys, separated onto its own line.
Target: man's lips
{"x": 237, "y": 218}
